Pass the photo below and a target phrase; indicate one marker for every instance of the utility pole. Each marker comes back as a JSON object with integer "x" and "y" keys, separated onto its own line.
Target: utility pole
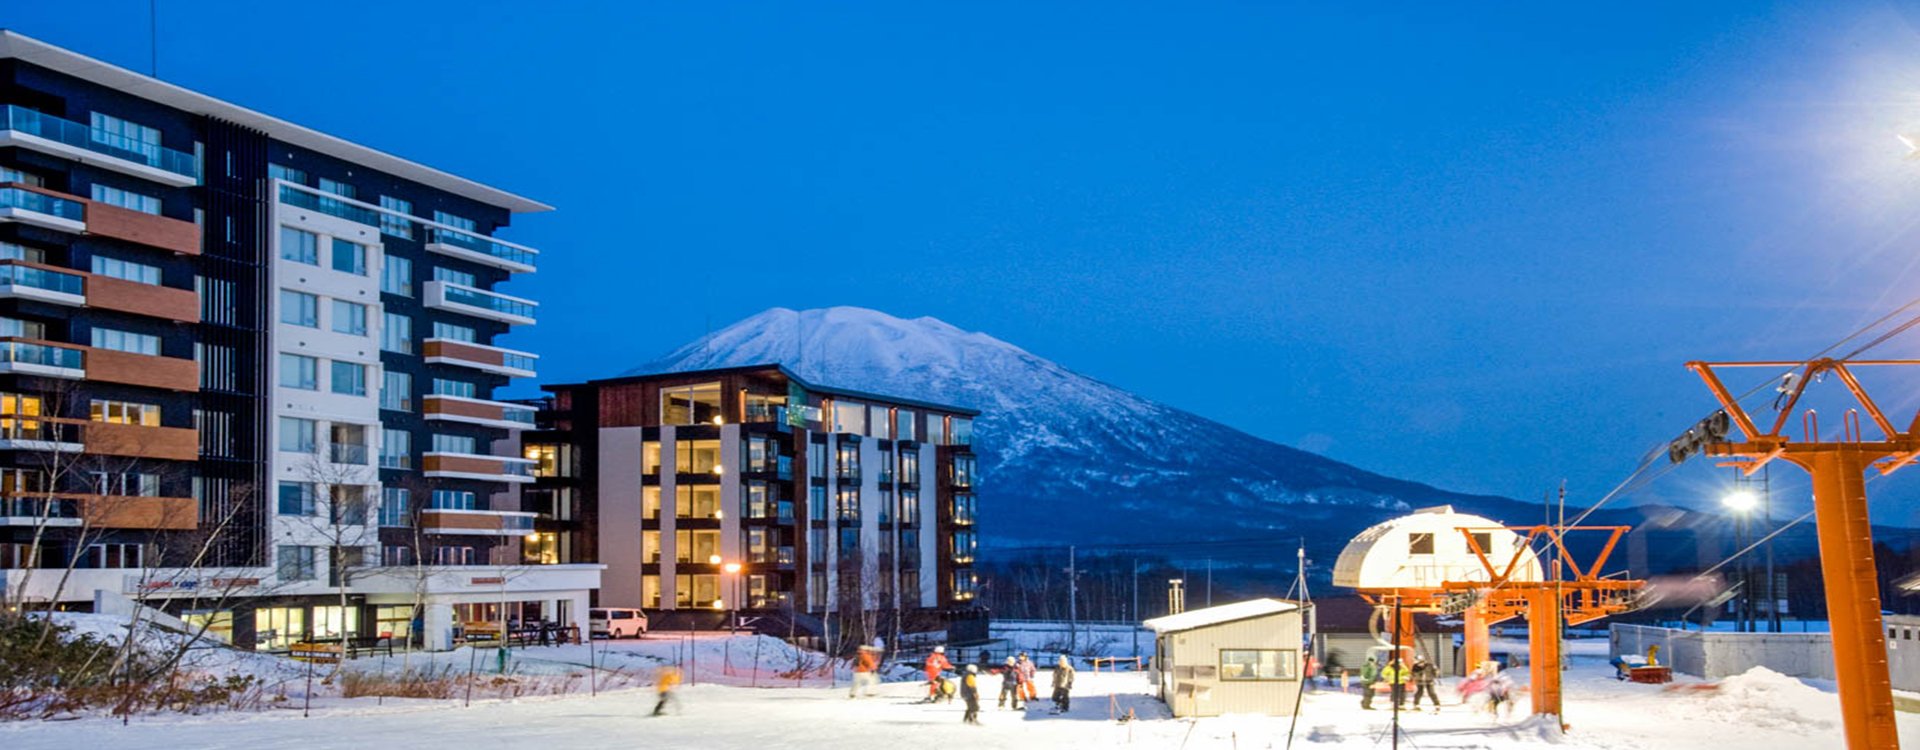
{"x": 1073, "y": 599}
{"x": 1209, "y": 581}
{"x": 1136, "y": 608}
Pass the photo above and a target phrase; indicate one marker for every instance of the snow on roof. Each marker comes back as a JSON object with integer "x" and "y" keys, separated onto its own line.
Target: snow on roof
{"x": 1200, "y": 618}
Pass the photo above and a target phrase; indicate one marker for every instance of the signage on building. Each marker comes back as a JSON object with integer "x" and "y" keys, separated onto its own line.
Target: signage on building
{"x": 138, "y": 585}
{"x": 488, "y": 580}
{"x": 797, "y": 405}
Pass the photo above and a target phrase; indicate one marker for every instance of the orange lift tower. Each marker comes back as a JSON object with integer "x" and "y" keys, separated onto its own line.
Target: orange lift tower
{"x": 1840, "y": 517}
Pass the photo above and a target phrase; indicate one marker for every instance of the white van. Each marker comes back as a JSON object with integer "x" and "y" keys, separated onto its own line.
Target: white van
{"x": 615, "y": 622}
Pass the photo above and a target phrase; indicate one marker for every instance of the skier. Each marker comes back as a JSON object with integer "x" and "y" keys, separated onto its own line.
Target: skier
{"x": 665, "y": 681}
{"x": 936, "y": 663}
{"x": 1499, "y": 693}
{"x": 1027, "y": 671}
{"x": 1369, "y": 675}
{"x": 1010, "y": 685}
{"x": 866, "y": 672}
{"x": 970, "y": 692}
{"x": 1062, "y": 684}
{"x": 1424, "y": 674}
{"x": 1395, "y": 675}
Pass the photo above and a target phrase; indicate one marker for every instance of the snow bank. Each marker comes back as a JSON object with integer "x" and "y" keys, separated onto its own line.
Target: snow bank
{"x": 1762, "y": 697}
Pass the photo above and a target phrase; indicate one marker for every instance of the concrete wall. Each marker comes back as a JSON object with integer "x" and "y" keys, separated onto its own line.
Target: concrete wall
{"x": 1716, "y": 655}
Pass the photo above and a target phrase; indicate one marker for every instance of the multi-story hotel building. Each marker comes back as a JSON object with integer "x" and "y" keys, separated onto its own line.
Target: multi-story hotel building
{"x": 245, "y": 365}
{"x": 750, "y": 489}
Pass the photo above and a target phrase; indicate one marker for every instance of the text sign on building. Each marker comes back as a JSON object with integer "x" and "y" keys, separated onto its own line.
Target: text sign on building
{"x": 488, "y": 580}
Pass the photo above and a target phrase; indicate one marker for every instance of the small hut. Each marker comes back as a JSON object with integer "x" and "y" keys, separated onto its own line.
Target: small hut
{"x": 1241, "y": 658}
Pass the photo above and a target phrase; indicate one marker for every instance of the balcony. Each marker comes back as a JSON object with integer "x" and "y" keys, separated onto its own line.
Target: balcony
{"x": 301, "y": 196}
{"x": 491, "y": 359}
{"x": 146, "y": 370}
{"x": 483, "y": 468}
{"x": 45, "y": 359}
{"x": 40, "y": 209}
{"x": 476, "y": 522}
{"x": 38, "y": 512}
{"x": 130, "y": 512}
{"x": 137, "y": 441}
{"x": 478, "y": 411}
{"x": 38, "y": 131}
{"x": 22, "y": 280}
{"x": 33, "y": 433}
{"x": 466, "y": 300}
{"x": 481, "y": 249}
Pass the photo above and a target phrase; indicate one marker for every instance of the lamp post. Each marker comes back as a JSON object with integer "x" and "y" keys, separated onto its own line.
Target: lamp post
{"x": 1742, "y": 503}
{"x": 732, "y": 571}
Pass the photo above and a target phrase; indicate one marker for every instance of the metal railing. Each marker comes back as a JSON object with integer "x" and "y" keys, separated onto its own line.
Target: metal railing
{"x": 34, "y": 122}
{"x": 29, "y": 353}
{"x": 482, "y": 245}
{"x": 485, "y": 300}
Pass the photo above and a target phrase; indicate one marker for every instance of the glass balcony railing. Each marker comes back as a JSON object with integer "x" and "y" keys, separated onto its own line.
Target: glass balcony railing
{"x": 34, "y": 122}
{"x": 481, "y": 245}
{"x": 521, "y": 416}
{"x": 517, "y": 361}
{"x": 26, "y": 428}
{"x": 27, "y": 200}
{"x": 28, "y": 353}
{"x": 38, "y": 507}
{"x": 348, "y": 453}
{"x": 43, "y": 279}
{"x": 311, "y": 201}
{"x": 471, "y": 297}
{"x": 516, "y": 524}
{"x": 516, "y": 469}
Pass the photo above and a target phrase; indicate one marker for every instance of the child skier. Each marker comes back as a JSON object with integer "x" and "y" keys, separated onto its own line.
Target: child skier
{"x": 970, "y": 692}
{"x": 866, "y": 672}
{"x": 936, "y": 663}
{"x": 1010, "y": 684}
{"x": 664, "y": 682}
{"x": 1062, "y": 684}
{"x": 1026, "y": 677}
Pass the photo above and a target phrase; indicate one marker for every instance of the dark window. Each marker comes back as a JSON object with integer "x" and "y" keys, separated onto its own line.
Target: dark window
{"x": 1420, "y": 544}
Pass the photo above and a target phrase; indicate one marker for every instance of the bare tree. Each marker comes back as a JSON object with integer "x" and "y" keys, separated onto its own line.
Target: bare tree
{"x": 339, "y": 477}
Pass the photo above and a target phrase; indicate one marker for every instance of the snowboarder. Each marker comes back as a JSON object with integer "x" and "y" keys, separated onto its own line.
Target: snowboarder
{"x": 1062, "y": 684}
{"x": 936, "y": 663}
{"x": 1010, "y": 685}
{"x": 970, "y": 692}
{"x": 1424, "y": 674}
{"x": 665, "y": 681}
{"x": 1027, "y": 671}
{"x": 1369, "y": 675}
{"x": 866, "y": 672}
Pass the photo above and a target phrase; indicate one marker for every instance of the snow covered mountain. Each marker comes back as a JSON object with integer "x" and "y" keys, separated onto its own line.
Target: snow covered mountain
{"x": 1066, "y": 458}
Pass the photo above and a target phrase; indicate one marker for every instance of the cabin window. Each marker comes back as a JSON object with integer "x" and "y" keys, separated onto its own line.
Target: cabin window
{"x": 1420, "y": 543}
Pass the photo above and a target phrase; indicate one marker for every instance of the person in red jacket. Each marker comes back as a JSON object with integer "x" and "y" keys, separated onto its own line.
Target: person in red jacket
{"x": 936, "y": 663}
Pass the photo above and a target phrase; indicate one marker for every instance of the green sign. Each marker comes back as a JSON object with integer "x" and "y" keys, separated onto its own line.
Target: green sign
{"x": 796, "y": 405}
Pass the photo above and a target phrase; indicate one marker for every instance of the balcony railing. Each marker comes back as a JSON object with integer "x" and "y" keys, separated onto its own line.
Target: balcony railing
{"x": 29, "y": 353}
{"x": 485, "y": 300}
{"x": 348, "y": 453}
{"x": 17, "y": 429}
{"x": 41, "y": 203}
{"x": 485, "y": 246}
{"x": 76, "y": 135}
{"x": 312, "y": 200}
{"x": 43, "y": 279}
{"x": 38, "y": 507}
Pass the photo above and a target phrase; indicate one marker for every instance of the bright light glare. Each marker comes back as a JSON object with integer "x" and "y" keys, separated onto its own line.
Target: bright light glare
{"x": 1740, "y": 501}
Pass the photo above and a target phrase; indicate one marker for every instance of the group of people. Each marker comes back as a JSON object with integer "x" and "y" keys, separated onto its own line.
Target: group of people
{"x": 1396, "y": 675}
{"x": 1018, "y": 677}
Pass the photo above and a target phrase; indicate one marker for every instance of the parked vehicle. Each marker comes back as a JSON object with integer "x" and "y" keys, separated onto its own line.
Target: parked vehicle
{"x": 616, "y": 622}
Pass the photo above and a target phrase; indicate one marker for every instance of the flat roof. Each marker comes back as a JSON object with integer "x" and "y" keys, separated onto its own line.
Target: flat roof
{"x": 22, "y": 47}
{"x": 1225, "y": 613}
{"x": 775, "y": 366}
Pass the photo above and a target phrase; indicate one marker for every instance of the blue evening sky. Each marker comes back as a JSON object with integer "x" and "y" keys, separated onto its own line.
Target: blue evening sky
{"x": 1465, "y": 243}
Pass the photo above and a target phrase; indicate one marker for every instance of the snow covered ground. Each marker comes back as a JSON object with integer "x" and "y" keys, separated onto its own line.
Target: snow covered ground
{"x": 1756, "y": 711}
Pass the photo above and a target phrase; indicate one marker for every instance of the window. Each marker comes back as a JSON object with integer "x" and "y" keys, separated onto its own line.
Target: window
{"x": 650, "y": 502}
{"x": 125, "y": 135}
{"x": 396, "y": 391}
{"x": 1420, "y": 543}
{"x": 394, "y": 225}
{"x": 454, "y": 444}
{"x": 445, "y": 555}
{"x": 963, "y": 471}
{"x": 337, "y": 187}
{"x": 849, "y": 542}
{"x": 396, "y": 333}
{"x": 128, "y": 484}
{"x": 299, "y": 371}
{"x": 453, "y": 277}
{"x": 299, "y": 246}
{"x": 282, "y": 172}
{"x": 904, "y": 425}
{"x": 936, "y": 429}
{"x": 451, "y": 220}
{"x": 123, "y": 412}
{"x": 127, "y": 199}
{"x": 396, "y": 449}
{"x": 965, "y": 545}
{"x": 697, "y": 501}
{"x": 295, "y": 563}
{"x": 349, "y": 506}
{"x": 349, "y": 378}
{"x": 909, "y": 507}
{"x": 690, "y": 404}
{"x": 396, "y": 276}
{"x": 14, "y": 175}
{"x": 650, "y": 458}
{"x": 112, "y": 555}
{"x": 697, "y": 546}
{"x": 454, "y": 500}
{"x": 125, "y": 341}
{"x": 454, "y": 332}
{"x": 445, "y": 387}
{"x": 350, "y": 257}
{"x": 697, "y": 457}
{"x": 550, "y": 460}
{"x": 847, "y": 505}
{"x": 349, "y": 318}
{"x": 299, "y": 309}
{"x": 1249, "y": 664}
{"x": 962, "y": 431}
{"x": 393, "y": 507}
{"x": 348, "y": 443}
{"x": 1484, "y": 541}
{"x": 817, "y": 503}
{"x": 297, "y": 499}
{"x": 126, "y": 270}
{"x": 909, "y": 466}
{"x": 849, "y": 417}
{"x": 299, "y": 435}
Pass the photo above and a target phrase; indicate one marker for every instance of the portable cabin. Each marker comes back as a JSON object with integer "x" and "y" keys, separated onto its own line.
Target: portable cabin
{"x": 1241, "y": 658}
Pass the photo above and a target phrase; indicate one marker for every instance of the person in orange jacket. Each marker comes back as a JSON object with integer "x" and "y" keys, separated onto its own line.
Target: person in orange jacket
{"x": 866, "y": 672}
{"x": 665, "y": 681}
{"x": 1027, "y": 671}
{"x": 936, "y": 663}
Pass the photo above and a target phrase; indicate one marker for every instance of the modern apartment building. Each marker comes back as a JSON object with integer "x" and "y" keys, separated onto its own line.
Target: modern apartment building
{"x": 751, "y": 489}
{"x": 245, "y": 366}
